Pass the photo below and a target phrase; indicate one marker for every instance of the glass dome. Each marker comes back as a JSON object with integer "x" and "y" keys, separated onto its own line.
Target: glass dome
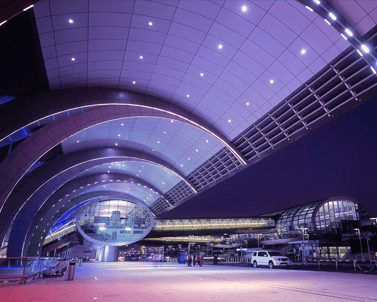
{"x": 115, "y": 222}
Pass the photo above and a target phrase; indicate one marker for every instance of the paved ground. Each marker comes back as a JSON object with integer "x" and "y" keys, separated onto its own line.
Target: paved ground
{"x": 132, "y": 281}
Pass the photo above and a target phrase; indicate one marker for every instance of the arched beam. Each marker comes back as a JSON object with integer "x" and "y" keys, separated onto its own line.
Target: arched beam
{"x": 26, "y": 154}
{"x": 58, "y": 199}
{"x": 38, "y": 185}
{"x": 33, "y": 242}
{"x": 47, "y": 104}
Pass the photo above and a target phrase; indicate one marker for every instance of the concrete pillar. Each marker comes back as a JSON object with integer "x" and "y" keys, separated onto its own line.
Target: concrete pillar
{"x": 108, "y": 253}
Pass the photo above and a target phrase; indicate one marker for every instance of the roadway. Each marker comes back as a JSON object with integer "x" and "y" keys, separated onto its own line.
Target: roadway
{"x": 135, "y": 281}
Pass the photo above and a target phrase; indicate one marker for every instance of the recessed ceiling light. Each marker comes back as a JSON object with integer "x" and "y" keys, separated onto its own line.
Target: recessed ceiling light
{"x": 303, "y": 51}
{"x": 247, "y": 103}
{"x": 137, "y": 174}
{"x": 181, "y": 165}
{"x": 359, "y": 52}
{"x": 197, "y": 150}
{"x": 158, "y": 142}
{"x": 206, "y": 140}
{"x": 163, "y": 183}
{"x": 229, "y": 121}
{"x": 172, "y": 121}
{"x": 202, "y": 74}
{"x": 317, "y": 2}
{"x": 164, "y": 132}
{"x": 220, "y": 46}
{"x": 108, "y": 171}
{"x": 141, "y": 57}
{"x": 344, "y": 37}
{"x": 188, "y": 95}
{"x": 142, "y": 166}
{"x": 327, "y": 21}
{"x": 271, "y": 81}
{"x": 349, "y": 32}
{"x": 133, "y": 82}
{"x": 73, "y": 59}
{"x": 109, "y": 167}
{"x": 374, "y": 71}
{"x": 332, "y": 16}
{"x": 77, "y": 141}
{"x": 70, "y": 21}
{"x": 244, "y": 8}
{"x": 365, "y": 48}
{"x": 3, "y": 22}
{"x": 139, "y": 170}
{"x": 150, "y": 23}
{"x": 118, "y": 134}
{"x": 152, "y": 149}
{"x": 309, "y": 8}
{"x": 116, "y": 144}
{"x": 188, "y": 158}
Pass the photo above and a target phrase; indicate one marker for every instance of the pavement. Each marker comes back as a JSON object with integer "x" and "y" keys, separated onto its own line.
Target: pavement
{"x": 145, "y": 281}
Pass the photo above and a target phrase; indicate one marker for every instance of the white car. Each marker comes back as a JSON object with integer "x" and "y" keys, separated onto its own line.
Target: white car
{"x": 269, "y": 258}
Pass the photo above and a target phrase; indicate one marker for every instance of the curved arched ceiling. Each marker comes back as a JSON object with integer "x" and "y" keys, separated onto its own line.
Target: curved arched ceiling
{"x": 184, "y": 147}
{"x": 163, "y": 48}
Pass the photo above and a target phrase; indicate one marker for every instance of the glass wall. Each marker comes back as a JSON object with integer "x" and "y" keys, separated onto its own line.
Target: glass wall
{"x": 116, "y": 222}
{"x": 329, "y": 215}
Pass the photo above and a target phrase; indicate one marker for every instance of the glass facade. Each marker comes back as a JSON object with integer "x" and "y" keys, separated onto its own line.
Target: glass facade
{"x": 330, "y": 214}
{"x": 116, "y": 222}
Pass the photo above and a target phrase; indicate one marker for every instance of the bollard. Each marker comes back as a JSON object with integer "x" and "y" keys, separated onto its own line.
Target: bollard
{"x": 336, "y": 264}
{"x": 71, "y": 271}
{"x": 354, "y": 265}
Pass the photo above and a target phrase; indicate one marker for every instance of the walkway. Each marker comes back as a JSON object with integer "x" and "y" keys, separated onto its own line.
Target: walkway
{"x": 135, "y": 281}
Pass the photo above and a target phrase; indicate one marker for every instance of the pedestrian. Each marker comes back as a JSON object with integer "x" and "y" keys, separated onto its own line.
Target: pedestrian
{"x": 189, "y": 259}
{"x": 198, "y": 260}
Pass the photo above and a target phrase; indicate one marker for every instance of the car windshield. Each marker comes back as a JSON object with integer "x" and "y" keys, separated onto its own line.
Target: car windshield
{"x": 275, "y": 254}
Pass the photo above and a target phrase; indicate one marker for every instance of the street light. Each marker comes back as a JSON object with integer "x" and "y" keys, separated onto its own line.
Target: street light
{"x": 361, "y": 246}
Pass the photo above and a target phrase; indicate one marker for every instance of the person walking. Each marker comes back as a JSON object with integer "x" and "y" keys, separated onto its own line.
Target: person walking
{"x": 189, "y": 259}
{"x": 198, "y": 260}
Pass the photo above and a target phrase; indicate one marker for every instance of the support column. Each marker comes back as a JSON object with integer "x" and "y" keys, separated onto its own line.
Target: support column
{"x": 108, "y": 253}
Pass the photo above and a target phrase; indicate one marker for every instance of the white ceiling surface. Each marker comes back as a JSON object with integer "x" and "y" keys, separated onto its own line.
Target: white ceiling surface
{"x": 160, "y": 178}
{"x": 135, "y": 190}
{"x": 264, "y": 43}
{"x": 177, "y": 146}
{"x": 362, "y": 14}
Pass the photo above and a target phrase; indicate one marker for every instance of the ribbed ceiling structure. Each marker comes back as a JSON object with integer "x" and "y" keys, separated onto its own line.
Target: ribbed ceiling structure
{"x": 161, "y": 100}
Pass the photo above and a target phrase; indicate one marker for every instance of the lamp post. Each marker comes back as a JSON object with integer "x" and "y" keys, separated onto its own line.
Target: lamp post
{"x": 361, "y": 246}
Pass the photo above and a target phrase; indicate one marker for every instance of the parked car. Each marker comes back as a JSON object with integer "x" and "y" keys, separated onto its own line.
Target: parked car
{"x": 269, "y": 258}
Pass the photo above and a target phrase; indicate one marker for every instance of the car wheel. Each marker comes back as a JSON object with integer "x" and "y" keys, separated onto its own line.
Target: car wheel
{"x": 255, "y": 264}
{"x": 271, "y": 265}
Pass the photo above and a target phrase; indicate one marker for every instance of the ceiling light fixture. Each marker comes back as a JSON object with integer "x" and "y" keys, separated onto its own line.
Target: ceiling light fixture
{"x": 118, "y": 134}
{"x": 202, "y": 74}
{"x": 150, "y": 23}
{"x": 359, "y": 52}
{"x": 141, "y": 57}
{"x": 70, "y": 21}
{"x": 303, "y": 51}
{"x": 122, "y": 124}
{"x": 77, "y": 141}
{"x": 271, "y": 81}
{"x": 188, "y": 158}
{"x": 244, "y": 8}
{"x": 116, "y": 144}
{"x": 206, "y": 140}
{"x": 229, "y": 121}
{"x": 327, "y": 21}
{"x": 374, "y": 71}
{"x": 309, "y": 8}
{"x": 197, "y": 150}
{"x": 133, "y": 82}
{"x": 73, "y": 59}
{"x": 158, "y": 142}
{"x": 349, "y": 32}
{"x": 344, "y": 37}
{"x": 188, "y": 95}
{"x": 332, "y": 16}
{"x": 365, "y": 48}
{"x": 181, "y": 165}
{"x": 164, "y": 132}
{"x": 317, "y": 2}
{"x": 247, "y": 103}
{"x": 220, "y": 46}
{"x": 3, "y": 22}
